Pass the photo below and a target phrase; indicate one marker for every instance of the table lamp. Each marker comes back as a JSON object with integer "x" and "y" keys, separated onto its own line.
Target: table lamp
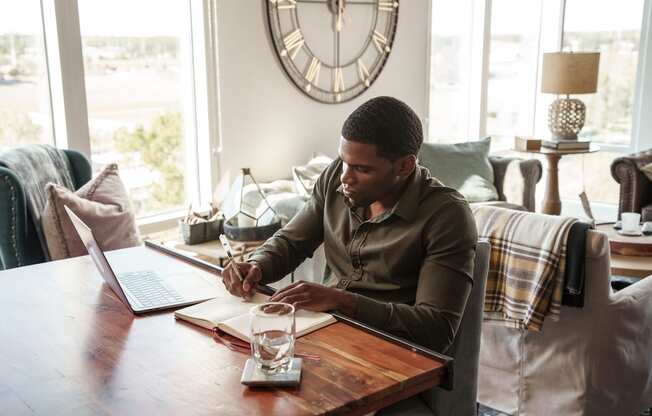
{"x": 568, "y": 73}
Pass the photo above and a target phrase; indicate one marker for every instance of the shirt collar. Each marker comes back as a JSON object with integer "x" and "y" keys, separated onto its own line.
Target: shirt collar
{"x": 359, "y": 212}
{"x": 406, "y": 206}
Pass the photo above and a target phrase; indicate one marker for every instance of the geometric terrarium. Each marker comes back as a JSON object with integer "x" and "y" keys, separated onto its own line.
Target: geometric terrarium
{"x": 247, "y": 212}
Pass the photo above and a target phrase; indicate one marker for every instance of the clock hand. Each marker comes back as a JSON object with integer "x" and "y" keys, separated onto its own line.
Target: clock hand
{"x": 338, "y": 24}
{"x": 338, "y": 28}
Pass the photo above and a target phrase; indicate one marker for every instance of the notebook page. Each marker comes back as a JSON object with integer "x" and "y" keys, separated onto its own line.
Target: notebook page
{"x": 208, "y": 314}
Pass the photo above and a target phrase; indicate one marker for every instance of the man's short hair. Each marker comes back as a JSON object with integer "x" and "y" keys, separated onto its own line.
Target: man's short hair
{"x": 388, "y": 123}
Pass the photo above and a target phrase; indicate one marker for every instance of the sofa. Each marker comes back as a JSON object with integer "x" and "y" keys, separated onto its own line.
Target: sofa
{"x": 516, "y": 181}
{"x": 506, "y": 182}
{"x": 635, "y": 185}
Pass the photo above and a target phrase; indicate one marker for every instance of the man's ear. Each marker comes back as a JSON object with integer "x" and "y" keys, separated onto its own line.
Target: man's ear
{"x": 405, "y": 165}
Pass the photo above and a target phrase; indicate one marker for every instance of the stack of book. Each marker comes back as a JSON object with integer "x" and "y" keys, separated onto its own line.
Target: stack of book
{"x": 524, "y": 143}
{"x": 580, "y": 144}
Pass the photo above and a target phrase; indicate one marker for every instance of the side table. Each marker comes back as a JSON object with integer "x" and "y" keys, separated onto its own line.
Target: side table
{"x": 630, "y": 256}
{"x": 551, "y": 201}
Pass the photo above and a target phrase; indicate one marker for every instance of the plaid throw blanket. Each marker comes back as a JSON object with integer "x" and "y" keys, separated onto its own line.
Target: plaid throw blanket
{"x": 526, "y": 269}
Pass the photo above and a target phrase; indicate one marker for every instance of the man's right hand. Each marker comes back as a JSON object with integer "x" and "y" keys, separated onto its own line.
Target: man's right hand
{"x": 245, "y": 289}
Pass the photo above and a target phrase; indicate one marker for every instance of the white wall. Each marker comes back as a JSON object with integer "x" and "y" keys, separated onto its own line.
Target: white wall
{"x": 267, "y": 124}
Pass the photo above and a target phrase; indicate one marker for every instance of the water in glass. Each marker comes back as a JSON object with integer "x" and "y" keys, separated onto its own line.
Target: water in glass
{"x": 273, "y": 350}
{"x": 272, "y": 336}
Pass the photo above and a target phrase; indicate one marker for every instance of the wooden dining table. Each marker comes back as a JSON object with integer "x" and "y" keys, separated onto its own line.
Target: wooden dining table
{"x": 69, "y": 346}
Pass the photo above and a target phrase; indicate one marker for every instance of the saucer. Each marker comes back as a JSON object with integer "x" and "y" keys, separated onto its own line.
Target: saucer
{"x": 631, "y": 233}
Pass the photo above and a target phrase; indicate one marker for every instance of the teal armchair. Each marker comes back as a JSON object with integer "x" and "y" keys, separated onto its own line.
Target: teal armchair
{"x": 19, "y": 242}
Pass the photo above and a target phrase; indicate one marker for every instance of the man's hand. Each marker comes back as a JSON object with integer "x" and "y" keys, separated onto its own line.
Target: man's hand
{"x": 316, "y": 297}
{"x": 245, "y": 289}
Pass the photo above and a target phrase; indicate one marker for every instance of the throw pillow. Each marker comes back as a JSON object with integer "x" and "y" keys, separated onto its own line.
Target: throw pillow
{"x": 102, "y": 203}
{"x": 462, "y": 166}
{"x": 306, "y": 176}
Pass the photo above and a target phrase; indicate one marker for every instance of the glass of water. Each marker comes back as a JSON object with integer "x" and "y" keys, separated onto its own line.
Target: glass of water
{"x": 272, "y": 336}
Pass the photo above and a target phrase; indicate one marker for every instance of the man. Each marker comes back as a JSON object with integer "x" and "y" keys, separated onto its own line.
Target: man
{"x": 399, "y": 245}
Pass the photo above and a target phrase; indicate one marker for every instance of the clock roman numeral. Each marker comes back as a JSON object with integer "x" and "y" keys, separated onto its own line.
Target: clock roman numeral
{"x": 380, "y": 41}
{"x": 363, "y": 73}
{"x": 312, "y": 75}
{"x": 293, "y": 43}
{"x": 284, "y": 4}
{"x": 338, "y": 84}
{"x": 387, "y": 6}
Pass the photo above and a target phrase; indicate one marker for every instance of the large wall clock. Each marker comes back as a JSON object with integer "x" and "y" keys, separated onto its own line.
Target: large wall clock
{"x": 332, "y": 50}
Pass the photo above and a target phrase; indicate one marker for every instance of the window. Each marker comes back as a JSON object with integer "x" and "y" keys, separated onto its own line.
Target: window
{"x": 148, "y": 79}
{"x": 24, "y": 90}
{"x": 510, "y": 80}
{"x": 451, "y": 66}
{"x": 512, "y": 83}
{"x": 514, "y": 105}
{"x": 613, "y": 29}
{"x": 590, "y": 173}
{"x": 136, "y": 69}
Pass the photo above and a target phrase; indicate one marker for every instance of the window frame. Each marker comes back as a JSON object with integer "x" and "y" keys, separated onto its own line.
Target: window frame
{"x": 642, "y": 126}
{"x": 65, "y": 70}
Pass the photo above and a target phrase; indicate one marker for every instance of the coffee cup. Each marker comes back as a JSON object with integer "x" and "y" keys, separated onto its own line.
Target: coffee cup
{"x": 630, "y": 222}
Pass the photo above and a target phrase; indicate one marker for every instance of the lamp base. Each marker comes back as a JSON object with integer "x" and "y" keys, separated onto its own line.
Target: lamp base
{"x": 566, "y": 118}
{"x": 559, "y": 137}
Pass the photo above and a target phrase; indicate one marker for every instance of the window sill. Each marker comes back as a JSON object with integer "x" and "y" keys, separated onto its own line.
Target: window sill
{"x": 159, "y": 222}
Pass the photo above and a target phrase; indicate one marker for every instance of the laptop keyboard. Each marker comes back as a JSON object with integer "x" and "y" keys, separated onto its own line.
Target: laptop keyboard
{"x": 147, "y": 287}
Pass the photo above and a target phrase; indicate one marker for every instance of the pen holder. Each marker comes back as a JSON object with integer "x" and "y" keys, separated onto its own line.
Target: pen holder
{"x": 193, "y": 233}
{"x": 214, "y": 229}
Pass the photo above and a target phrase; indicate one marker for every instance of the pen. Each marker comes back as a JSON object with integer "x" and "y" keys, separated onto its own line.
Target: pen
{"x": 227, "y": 248}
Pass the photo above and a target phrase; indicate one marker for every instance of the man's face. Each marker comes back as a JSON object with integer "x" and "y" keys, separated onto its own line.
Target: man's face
{"x": 366, "y": 177}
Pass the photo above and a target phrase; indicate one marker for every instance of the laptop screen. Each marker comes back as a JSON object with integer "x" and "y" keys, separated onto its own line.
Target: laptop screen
{"x": 97, "y": 255}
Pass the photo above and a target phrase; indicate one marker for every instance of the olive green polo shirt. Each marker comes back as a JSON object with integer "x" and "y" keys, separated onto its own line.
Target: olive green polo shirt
{"x": 410, "y": 267}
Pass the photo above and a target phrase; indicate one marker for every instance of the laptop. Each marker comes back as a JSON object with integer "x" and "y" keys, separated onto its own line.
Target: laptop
{"x": 145, "y": 290}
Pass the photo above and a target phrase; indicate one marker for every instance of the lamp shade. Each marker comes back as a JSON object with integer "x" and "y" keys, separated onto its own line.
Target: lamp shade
{"x": 570, "y": 73}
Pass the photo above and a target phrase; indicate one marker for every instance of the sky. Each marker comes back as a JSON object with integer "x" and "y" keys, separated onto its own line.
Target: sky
{"x": 161, "y": 17}
{"x": 511, "y": 16}
{"x": 102, "y": 17}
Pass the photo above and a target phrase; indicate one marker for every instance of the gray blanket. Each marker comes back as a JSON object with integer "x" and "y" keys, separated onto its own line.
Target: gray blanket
{"x": 36, "y": 166}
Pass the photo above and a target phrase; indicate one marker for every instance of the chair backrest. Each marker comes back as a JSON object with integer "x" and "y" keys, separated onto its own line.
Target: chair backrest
{"x": 466, "y": 347}
{"x": 19, "y": 242}
{"x": 594, "y": 360}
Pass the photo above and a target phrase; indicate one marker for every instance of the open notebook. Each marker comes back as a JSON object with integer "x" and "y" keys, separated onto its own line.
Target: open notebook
{"x": 231, "y": 315}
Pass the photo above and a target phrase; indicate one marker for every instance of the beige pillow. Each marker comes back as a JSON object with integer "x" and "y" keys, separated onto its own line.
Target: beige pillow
{"x": 102, "y": 204}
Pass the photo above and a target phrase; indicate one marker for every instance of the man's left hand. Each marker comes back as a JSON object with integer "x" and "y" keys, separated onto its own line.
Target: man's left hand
{"x": 310, "y": 296}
